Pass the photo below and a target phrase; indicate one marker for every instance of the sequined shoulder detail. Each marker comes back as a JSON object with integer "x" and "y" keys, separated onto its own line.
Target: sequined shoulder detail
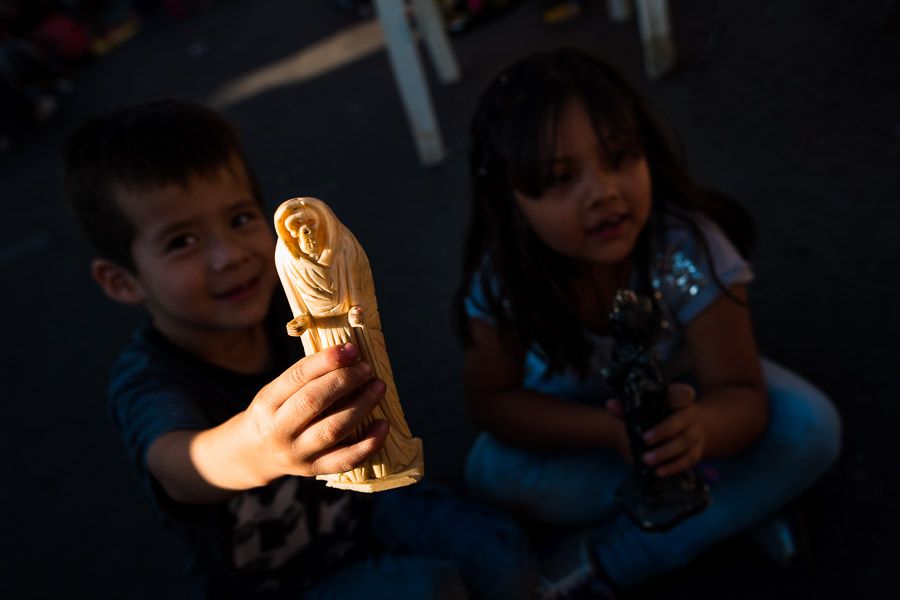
{"x": 688, "y": 261}
{"x": 678, "y": 271}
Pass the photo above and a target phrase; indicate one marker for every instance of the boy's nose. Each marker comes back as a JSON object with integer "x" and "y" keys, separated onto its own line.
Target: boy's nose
{"x": 225, "y": 253}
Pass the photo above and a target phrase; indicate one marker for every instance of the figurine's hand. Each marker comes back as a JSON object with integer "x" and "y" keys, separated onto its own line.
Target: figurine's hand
{"x": 678, "y": 440}
{"x": 357, "y": 316}
{"x": 298, "y": 325}
{"x": 298, "y": 423}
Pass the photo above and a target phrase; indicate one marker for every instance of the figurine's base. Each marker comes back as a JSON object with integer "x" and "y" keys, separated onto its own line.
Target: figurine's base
{"x": 658, "y": 504}
{"x": 412, "y": 474}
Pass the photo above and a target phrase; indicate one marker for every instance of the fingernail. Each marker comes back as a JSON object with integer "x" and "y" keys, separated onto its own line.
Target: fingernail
{"x": 378, "y": 386}
{"x": 366, "y": 368}
{"x": 649, "y": 457}
{"x": 649, "y": 436}
{"x": 349, "y": 350}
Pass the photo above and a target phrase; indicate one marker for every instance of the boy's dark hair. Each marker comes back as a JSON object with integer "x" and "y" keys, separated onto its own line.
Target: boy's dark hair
{"x": 138, "y": 147}
{"x": 525, "y": 283}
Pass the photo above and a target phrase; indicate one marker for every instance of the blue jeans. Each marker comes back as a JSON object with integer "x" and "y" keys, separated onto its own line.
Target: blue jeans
{"x": 575, "y": 488}
{"x": 436, "y": 547}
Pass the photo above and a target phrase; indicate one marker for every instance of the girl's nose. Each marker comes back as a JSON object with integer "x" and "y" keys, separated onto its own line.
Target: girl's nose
{"x": 226, "y": 253}
{"x": 600, "y": 186}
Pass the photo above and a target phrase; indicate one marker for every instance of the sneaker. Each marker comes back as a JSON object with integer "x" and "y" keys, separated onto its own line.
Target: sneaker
{"x": 780, "y": 539}
{"x": 571, "y": 572}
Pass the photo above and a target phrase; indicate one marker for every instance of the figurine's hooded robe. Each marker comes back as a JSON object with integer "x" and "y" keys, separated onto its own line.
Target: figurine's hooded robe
{"x": 326, "y": 289}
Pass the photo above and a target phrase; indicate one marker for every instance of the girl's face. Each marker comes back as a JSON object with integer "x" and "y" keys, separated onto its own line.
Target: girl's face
{"x": 596, "y": 202}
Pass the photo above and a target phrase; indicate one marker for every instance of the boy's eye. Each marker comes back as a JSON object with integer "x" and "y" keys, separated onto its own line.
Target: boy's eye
{"x": 243, "y": 218}
{"x": 181, "y": 241}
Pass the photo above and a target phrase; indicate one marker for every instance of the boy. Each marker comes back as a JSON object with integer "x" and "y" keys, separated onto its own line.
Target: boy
{"x": 222, "y": 425}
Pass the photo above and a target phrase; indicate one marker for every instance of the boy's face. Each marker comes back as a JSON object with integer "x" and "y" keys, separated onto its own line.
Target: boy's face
{"x": 203, "y": 254}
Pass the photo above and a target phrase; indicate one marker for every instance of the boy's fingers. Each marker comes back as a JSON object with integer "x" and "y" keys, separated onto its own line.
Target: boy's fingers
{"x": 344, "y": 458}
{"x": 342, "y": 420}
{"x": 315, "y": 398}
{"x": 307, "y": 370}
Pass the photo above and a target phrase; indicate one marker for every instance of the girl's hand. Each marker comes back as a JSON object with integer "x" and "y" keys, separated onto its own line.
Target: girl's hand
{"x": 621, "y": 446}
{"x": 678, "y": 440}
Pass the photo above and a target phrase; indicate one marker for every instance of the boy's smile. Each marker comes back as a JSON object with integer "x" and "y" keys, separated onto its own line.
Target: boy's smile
{"x": 202, "y": 254}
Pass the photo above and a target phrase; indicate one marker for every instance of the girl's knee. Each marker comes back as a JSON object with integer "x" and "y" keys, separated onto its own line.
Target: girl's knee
{"x": 563, "y": 488}
{"x": 494, "y": 472}
{"x": 802, "y": 420}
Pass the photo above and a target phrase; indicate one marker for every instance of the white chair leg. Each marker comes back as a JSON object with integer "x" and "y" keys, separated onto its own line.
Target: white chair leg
{"x": 431, "y": 26}
{"x": 411, "y": 81}
{"x": 619, "y": 10}
{"x": 656, "y": 36}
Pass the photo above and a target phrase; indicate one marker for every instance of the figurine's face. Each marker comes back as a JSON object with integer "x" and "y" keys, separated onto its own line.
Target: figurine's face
{"x": 202, "y": 253}
{"x": 304, "y": 226}
{"x": 596, "y": 204}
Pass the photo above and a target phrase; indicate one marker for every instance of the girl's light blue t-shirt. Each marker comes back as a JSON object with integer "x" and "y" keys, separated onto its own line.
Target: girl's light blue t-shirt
{"x": 681, "y": 274}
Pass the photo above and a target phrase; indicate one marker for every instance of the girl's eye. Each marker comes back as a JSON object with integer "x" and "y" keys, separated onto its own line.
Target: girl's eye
{"x": 620, "y": 156}
{"x": 561, "y": 178}
{"x": 558, "y": 178}
{"x": 183, "y": 240}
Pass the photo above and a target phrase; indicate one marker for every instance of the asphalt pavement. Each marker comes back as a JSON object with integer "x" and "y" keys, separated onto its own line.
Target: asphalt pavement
{"x": 793, "y": 108}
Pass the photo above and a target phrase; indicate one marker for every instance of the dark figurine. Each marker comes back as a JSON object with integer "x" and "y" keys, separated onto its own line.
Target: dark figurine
{"x": 635, "y": 376}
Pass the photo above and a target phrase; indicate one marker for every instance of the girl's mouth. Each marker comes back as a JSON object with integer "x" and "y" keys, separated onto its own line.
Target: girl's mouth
{"x": 609, "y": 228}
{"x": 239, "y": 292}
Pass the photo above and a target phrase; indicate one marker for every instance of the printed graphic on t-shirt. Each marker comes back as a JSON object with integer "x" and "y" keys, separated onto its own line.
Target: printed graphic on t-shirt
{"x": 272, "y": 526}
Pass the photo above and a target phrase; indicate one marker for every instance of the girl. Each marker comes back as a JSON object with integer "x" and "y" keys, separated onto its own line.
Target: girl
{"x": 578, "y": 190}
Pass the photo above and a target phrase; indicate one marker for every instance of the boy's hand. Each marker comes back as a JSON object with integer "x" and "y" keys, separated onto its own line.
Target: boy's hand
{"x": 299, "y": 421}
{"x": 679, "y": 441}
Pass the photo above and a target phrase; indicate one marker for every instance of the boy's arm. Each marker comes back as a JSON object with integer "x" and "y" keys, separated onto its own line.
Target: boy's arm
{"x": 282, "y": 432}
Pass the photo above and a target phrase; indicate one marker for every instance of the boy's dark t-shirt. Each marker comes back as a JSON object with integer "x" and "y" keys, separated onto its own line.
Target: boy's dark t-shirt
{"x": 269, "y": 538}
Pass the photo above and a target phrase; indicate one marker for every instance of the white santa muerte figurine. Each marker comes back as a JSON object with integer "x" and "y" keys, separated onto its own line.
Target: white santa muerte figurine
{"x": 326, "y": 276}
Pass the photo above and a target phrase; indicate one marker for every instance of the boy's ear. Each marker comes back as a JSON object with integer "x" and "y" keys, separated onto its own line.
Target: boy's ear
{"x": 117, "y": 282}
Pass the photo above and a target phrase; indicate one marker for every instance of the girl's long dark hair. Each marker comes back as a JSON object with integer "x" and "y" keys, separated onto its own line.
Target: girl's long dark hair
{"x": 527, "y": 285}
